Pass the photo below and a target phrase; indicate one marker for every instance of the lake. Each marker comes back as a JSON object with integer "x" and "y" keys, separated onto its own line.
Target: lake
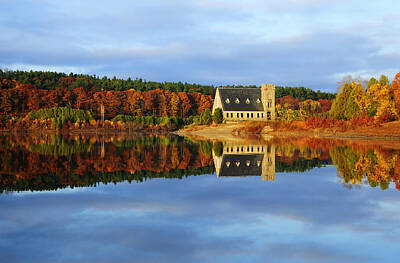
{"x": 135, "y": 198}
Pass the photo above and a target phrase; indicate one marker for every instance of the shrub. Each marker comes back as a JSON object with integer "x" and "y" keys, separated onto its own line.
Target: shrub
{"x": 206, "y": 116}
{"x": 217, "y": 116}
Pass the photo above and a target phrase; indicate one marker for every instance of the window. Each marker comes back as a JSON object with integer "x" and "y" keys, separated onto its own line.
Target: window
{"x": 237, "y": 115}
{"x": 247, "y": 115}
{"x": 241, "y": 115}
{"x": 231, "y": 115}
{"x": 247, "y": 101}
{"x": 252, "y": 115}
{"x": 227, "y": 115}
{"x": 237, "y": 101}
{"x": 258, "y": 115}
{"x": 262, "y": 115}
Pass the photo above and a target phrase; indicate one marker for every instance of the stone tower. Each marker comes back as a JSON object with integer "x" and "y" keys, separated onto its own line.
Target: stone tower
{"x": 268, "y": 100}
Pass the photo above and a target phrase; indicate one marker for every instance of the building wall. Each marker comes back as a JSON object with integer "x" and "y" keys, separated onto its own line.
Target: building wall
{"x": 267, "y": 97}
{"x": 243, "y": 115}
{"x": 217, "y": 101}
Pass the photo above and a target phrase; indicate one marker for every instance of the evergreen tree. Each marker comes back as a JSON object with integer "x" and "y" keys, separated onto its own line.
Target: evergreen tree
{"x": 217, "y": 117}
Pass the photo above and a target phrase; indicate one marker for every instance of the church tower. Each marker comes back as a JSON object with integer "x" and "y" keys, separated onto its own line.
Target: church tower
{"x": 268, "y": 100}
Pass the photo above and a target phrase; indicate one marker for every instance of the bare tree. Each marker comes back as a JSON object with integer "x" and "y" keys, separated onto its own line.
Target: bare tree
{"x": 349, "y": 79}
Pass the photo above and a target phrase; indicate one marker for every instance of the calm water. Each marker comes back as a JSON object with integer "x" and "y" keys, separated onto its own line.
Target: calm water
{"x": 170, "y": 199}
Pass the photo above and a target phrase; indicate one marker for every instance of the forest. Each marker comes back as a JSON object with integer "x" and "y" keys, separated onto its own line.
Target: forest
{"x": 355, "y": 105}
{"x": 37, "y": 99}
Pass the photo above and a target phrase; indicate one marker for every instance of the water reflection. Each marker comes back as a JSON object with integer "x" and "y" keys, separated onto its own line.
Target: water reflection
{"x": 50, "y": 162}
{"x": 305, "y": 215}
{"x": 239, "y": 159}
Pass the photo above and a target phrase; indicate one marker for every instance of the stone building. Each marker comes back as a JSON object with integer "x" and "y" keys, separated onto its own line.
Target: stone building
{"x": 246, "y": 103}
{"x": 246, "y": 160}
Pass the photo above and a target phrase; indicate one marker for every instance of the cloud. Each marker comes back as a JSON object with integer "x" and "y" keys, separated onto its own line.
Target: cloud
{"x": 301, "y": 43}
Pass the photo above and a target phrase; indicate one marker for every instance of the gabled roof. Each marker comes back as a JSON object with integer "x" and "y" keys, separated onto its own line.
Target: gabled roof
{"x": 241, "y": 165}
{"x": 247, "y": 99}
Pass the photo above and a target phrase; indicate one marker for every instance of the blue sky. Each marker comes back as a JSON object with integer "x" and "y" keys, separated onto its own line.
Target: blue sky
{"x": 311, "y": 43}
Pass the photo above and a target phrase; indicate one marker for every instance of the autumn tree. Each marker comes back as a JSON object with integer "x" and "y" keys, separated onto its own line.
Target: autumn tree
{"x": 339, "y": 104}
{"x": 355, "y": 105}
{"x": 396, "y": 92}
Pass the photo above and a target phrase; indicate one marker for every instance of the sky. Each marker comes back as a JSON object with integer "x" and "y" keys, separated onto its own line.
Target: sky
{"x": 311, "y": 43}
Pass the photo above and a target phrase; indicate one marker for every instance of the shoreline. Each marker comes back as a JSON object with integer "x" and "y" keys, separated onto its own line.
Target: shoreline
{"x": 235, "y": 131}
{"x": 229, "y": 131}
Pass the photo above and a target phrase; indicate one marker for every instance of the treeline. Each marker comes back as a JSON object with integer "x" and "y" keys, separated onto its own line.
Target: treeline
{"x": 53, "y": 80}
{"x": 354, "y": 105}
{"x": 18, "y": 99}
{"x": 380, "y": 100}
{"x": 302, "y": 93}
{"x": 22, "y": 92}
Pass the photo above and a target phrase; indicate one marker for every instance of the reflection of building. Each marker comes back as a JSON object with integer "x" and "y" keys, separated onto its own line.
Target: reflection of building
{"x": 246, "y": 103}
{"x": 246, "y": 160}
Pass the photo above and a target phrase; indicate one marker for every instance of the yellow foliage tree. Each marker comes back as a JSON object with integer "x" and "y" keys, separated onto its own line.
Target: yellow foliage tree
{"x": 381, "y": 98}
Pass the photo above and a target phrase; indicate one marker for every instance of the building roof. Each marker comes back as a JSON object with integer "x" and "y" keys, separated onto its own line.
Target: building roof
{"x": 241, "y": 165}
{"x": 236, "y": 99}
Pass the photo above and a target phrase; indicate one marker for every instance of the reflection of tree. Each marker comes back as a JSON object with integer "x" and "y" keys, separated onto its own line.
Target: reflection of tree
{"x": 376, "y": 165}
{"x": 57, "y": 162}
{"x": 299, "y": 165}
